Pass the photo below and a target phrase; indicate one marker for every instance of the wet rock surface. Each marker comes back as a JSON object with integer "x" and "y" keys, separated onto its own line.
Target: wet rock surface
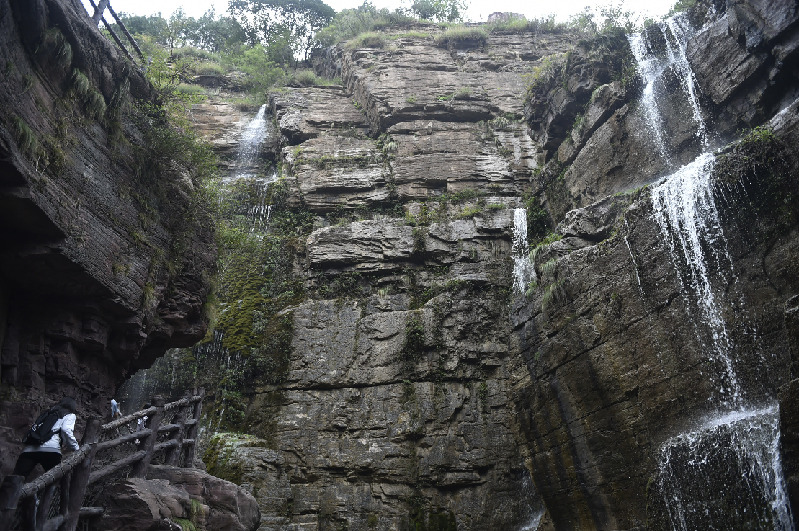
{"x": 420, "y": 391}
{"x": 619, "y": 353}
{"x": 392, "y": 409}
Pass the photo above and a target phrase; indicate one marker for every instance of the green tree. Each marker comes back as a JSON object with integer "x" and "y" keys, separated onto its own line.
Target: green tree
{"x": 177, "y": 29}
{"x": 153, "y": 26}
{"x": 351, "y": 22}
{"x": 215, "y": 34}
{"x": 439, "y": 10}
{"x": 267, "y": 21}
{"x": 259, "y": 65}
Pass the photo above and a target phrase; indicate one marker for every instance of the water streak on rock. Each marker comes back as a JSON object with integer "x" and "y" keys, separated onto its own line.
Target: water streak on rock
{"x": 250, "y": 147}
{"x": 650, "y": 69}
{"x": 523, "y": 271}
{"x": 727, "y": 473}
{"x": 684, "y": 208}
{"x": 680, "y": 31}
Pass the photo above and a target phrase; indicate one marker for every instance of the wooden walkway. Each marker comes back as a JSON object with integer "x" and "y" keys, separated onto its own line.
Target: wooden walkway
{"x": 164, "y": 433}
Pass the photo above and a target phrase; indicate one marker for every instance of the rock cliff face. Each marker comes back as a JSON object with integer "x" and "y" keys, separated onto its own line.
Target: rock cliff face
{"x": 395, "y": 407}
{"x": 421, "y": 390}
{"x": 622, "y": 353}
{"x": 177, "y": 498}
{"x": 105, "y": 260}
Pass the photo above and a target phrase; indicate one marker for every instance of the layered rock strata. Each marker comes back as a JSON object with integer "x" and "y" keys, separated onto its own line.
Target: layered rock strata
{"x": 620, "y": 356}
{"x": 177, "y": 498}
{"x": 395, "y": 409}
{"x": 420, "y": 392}
{"x": 104, "y": 263}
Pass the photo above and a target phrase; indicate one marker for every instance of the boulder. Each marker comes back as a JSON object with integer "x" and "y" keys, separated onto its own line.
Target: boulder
{"x": 172, "y": 497}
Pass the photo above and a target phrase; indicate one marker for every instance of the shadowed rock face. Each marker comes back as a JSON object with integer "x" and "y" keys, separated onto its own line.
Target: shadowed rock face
{"x": 618, "y": 348}
{"x": 174, "y": 496}
{"x": 103, "y": 266}
{"x": 419, "y": 392}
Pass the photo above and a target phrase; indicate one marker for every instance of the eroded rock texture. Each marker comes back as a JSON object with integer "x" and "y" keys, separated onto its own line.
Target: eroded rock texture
{"x": 174, "y": 498}
{"x": 420, "y": 391}
{"x": 620, "y": 353}
{"x": 104, "y": 264}
{"x": 394, "y": 409}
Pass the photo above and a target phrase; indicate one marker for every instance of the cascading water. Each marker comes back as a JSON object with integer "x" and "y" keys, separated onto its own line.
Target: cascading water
{"x": 679, "y": 30}
{"x": 523, "y": 271}
{"x": 726, "y": 473}
{"x": 534, "y": 511}
{"x": 212, "y": 355}
{"x": 689, "y": 221}
{"x": 250, "y": 147}
{"x": 650, "y": 70}
{"x": 252, "y": 138}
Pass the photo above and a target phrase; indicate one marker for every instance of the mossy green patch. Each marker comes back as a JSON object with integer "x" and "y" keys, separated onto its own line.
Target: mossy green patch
{"x": 220, "y": 455}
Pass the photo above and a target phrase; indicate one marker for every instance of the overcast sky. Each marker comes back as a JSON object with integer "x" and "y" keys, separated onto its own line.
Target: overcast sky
{"x": 478, "y": 9}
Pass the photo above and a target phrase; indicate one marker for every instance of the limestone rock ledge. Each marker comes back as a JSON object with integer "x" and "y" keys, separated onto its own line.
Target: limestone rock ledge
{"x": 394, "y": 407}
{"x": 619, "y": 358}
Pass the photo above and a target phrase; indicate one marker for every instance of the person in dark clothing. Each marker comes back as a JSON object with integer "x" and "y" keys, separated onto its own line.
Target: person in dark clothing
{"x": 48, "y": 454}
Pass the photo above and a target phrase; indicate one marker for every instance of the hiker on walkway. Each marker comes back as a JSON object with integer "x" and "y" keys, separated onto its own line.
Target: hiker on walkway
{"x": 48, "y": 453}
{"x": 115, "y": 411}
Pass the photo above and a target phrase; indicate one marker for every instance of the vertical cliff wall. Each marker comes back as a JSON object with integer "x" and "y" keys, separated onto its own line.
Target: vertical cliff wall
{"x": 416, "y": 384}
{"x": 106, "y": 248}
{"x": 394, "y": 408}
{"x": 643, "y": 345}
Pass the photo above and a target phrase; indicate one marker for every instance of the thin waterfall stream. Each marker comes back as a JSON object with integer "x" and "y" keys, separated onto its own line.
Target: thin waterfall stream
{"x": 523, "y": 268}
{"x": 245, "y": 180}
{"x": 726, "y": 471}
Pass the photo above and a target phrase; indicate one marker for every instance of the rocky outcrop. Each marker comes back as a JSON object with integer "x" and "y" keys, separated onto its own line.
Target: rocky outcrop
{"x": 106, "y": 252}
{"x": 745, "y": 62}
{"x": 177, "y": 498}
{"x": 585, "y": 108}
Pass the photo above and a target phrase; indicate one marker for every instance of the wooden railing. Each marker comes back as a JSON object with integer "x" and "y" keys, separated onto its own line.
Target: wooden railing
{"x": 97, "y": 17}
{"x": 124, "y": 447}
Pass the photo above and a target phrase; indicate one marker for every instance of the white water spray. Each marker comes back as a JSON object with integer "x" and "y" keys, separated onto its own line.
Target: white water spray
{"x": 679, "y": 30}
{"x": 684, "y": 208}
{"x": 250, "y": 147}
{"x": 523, "y": 271}
{"x": 650, "y": 70}
{"x": 727, "y": 473}
{"x": 737, "y": 452}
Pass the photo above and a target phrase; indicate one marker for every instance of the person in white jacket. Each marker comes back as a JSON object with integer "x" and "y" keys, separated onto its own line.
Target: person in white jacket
{"x": 48, "y": 454}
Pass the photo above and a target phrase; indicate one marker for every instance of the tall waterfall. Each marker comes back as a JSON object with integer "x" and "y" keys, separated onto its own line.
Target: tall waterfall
{"x": 523, "y": 271}
{"x": 689, "y": 221}
{"x": 250, "y": 147}
{"x": 247, "y": 164}
{"x": 726, "y": 473}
